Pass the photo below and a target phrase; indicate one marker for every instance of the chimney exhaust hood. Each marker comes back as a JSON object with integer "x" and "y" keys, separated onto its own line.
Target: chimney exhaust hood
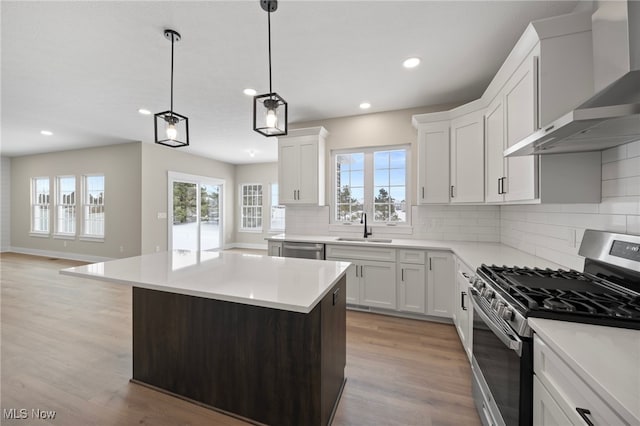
{"x": 612, "y": 116}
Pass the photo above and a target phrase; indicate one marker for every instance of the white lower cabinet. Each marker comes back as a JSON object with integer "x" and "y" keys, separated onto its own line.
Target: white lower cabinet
{"x": 274, "y": 248}
{"x": 371, "y": 280}
{"x": 440, "y": 282}
{"x": 411, "y": 288}
{"x": 463, "y": 310}
{"x": 546, "y": 411}
{"x": 561, "y": 396}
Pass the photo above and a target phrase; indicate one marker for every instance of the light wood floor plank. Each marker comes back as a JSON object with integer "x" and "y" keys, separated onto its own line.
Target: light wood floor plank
{"x": 66, "y": 346}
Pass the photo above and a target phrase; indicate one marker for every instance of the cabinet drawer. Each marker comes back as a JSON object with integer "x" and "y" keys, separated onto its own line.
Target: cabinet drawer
{"x": 362, "y": 253}
{"x": 568, "y": 389}
{"x": 412, "y": 256}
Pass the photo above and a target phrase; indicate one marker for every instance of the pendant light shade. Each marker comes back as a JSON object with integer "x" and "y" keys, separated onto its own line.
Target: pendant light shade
{"x": 270, "y": 113}
{"x": 171, "y": 128}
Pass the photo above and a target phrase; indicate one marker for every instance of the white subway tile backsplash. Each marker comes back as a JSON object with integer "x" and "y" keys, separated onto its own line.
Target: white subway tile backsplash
{"x": 547, "y": 230}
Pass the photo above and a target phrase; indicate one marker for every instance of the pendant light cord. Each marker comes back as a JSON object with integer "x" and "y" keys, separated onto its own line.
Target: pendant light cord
{"x": 269, "y": 30}
{"x": 172, "y": 41}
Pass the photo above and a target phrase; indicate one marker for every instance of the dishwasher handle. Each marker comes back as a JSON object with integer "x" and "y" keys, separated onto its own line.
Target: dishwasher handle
{"x": 310, "y": 247}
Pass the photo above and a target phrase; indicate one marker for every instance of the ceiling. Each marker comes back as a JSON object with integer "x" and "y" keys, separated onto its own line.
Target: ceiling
{"x": 83, "y": 69}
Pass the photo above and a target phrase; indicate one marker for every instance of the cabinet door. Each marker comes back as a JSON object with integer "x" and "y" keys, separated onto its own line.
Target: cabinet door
{"x": 433, "y": 163}
{"x": 288, "y": 158}
{"x": 378, "y": 284}
{"x": 464, "y": 314}
{"x": 275, "y": 248}
{"x": 308, "y": 173}
{"x": 521, "y": 119}
{"x": 353, "y": 280}
{"x": 494, "y": 139}
{"x": 440, "y": 282}
{"x": 411, "y": 288}
{"x": 467, "y": 159}
{"x": 546, "y": 411}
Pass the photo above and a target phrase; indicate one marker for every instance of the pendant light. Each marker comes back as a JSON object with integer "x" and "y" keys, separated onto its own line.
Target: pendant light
{"x": 270, "y": 109}
{"x": 171, "y": 128}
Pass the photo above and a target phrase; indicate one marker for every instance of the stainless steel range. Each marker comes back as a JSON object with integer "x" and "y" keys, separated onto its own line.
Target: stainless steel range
{"x": 606, "y": 293}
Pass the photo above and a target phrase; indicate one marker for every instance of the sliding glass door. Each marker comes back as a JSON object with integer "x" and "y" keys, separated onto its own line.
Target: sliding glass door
{"x": 196, "y": 221}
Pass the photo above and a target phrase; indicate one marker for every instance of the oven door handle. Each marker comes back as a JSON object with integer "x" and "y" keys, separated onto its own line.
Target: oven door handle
{"x": 510, "y": 341}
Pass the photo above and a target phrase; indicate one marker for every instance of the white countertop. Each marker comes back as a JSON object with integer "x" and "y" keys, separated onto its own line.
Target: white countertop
{"x": 274, "y": 282}
{"x": 473, "y": 254}
{"x": 607, "y": 358}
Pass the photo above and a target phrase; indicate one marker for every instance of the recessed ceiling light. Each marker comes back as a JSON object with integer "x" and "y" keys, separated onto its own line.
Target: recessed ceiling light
{"x": 46, "y": 132}
{"x": 365, "y": 105}
{"x": 144, "y": 111}
{"x": 249, "y": 92}
{"x": 411, "y": 62}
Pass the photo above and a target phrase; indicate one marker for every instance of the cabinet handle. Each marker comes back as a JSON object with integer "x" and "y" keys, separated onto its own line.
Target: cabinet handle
{"x": 583, "y": 413}
{"x": 335, "y": 295}
{"x": 462, "y": 295}
{"x": 430, "y": 268}
{"x": 298, "y": 195}
{"x": 361, "y": 271}
{"x": 451, "y": 191}
{"x": 402, "y": 270}
{"x": 499, "y": 186}
{"x": 423, "y": 192}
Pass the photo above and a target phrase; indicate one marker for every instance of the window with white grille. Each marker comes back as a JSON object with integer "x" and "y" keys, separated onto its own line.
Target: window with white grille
{"x": 251, "y": 207}
{"x": 40, "y": 190}
{"x": 93, "y": 206}
{"x": 66, "y": 205}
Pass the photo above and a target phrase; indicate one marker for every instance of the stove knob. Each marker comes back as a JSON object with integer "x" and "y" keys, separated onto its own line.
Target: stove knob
{"x": 507, "y": 314}
{"x": 488, "y": 293}
{"x": 494, "y": 304}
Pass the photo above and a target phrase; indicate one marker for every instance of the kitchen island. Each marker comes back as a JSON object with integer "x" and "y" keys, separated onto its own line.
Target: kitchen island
{"x": 257, "y": 337}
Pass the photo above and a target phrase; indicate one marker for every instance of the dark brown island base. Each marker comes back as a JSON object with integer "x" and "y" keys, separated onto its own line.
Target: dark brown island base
{"x": 265, "y": 365}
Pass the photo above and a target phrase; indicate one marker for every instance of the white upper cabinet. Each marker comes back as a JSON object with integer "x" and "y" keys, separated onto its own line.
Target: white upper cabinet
{"x": 467, "y": 158}
{"x": 301, "y": 166}
{"x": 494, "y": 143}
{"x": 433, "y": 163}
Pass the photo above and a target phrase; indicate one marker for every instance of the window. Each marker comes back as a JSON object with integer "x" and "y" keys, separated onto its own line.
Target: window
{"x": 277, "y": 211}
{"x": 93, "y": 206}
{"x": 66, "y": 205}
{"x": 251, "y": 208}
{"x": 372, "y": 181}
{"x": 40, "y": 205}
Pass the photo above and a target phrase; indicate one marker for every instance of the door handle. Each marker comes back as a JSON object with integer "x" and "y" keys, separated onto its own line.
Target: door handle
{"x": 583, "y": 413}
{"x": 451, "y": 191}
{"x": 462, "y": 295}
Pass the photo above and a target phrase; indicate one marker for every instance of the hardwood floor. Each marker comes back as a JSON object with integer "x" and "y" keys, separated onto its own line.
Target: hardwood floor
{"x": 66, "y": 347}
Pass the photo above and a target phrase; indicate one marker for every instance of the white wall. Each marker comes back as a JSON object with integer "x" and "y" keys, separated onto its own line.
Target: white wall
{"x": 265, "y": 174}
{"x": 121, "y": 167}
{"x": 157, "y": 161}
{"x": 548, "y": 230}
{"x": 5, "y": 204}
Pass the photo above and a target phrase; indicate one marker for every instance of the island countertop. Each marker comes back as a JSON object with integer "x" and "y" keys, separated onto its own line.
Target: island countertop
{"x": 289, "y": 284}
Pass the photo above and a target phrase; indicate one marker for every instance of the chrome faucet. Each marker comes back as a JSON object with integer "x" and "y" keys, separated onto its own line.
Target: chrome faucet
{"x": 364, "y": 217}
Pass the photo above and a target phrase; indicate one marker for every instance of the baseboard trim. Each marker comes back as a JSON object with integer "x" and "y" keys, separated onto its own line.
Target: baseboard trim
{"x": 59, "y": 254}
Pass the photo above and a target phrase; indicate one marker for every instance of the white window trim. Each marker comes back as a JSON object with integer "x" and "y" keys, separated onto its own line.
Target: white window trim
{"x": 32, "y": 232}
{"x": 394, "y": 227}
{"x": 274, "y": 230}
{"x": 82, "y": 235}
{"x": 240, "y": 227}
{"x": 64, "y": 235}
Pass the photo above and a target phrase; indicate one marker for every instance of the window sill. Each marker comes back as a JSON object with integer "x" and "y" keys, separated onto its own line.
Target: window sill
{"x": 275, "y": 231}
{"x": 91, "y": 239}
{"x": 64, "y": 236}
{"x": 39, "y": 234}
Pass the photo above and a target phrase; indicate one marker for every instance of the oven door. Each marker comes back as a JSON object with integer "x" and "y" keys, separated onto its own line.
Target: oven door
{"x": 504, "y": 365}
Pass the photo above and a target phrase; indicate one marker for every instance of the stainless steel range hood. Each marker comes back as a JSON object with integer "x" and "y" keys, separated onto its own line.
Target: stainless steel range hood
{"x": 612, "y": 116}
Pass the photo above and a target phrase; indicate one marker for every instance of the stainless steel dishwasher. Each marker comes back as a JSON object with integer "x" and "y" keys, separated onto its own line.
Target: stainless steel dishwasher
{"x": 303, "y": 250}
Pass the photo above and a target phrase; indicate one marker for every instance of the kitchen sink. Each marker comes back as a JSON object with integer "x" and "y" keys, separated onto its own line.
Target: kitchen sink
{"x": 364, "y": 240}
